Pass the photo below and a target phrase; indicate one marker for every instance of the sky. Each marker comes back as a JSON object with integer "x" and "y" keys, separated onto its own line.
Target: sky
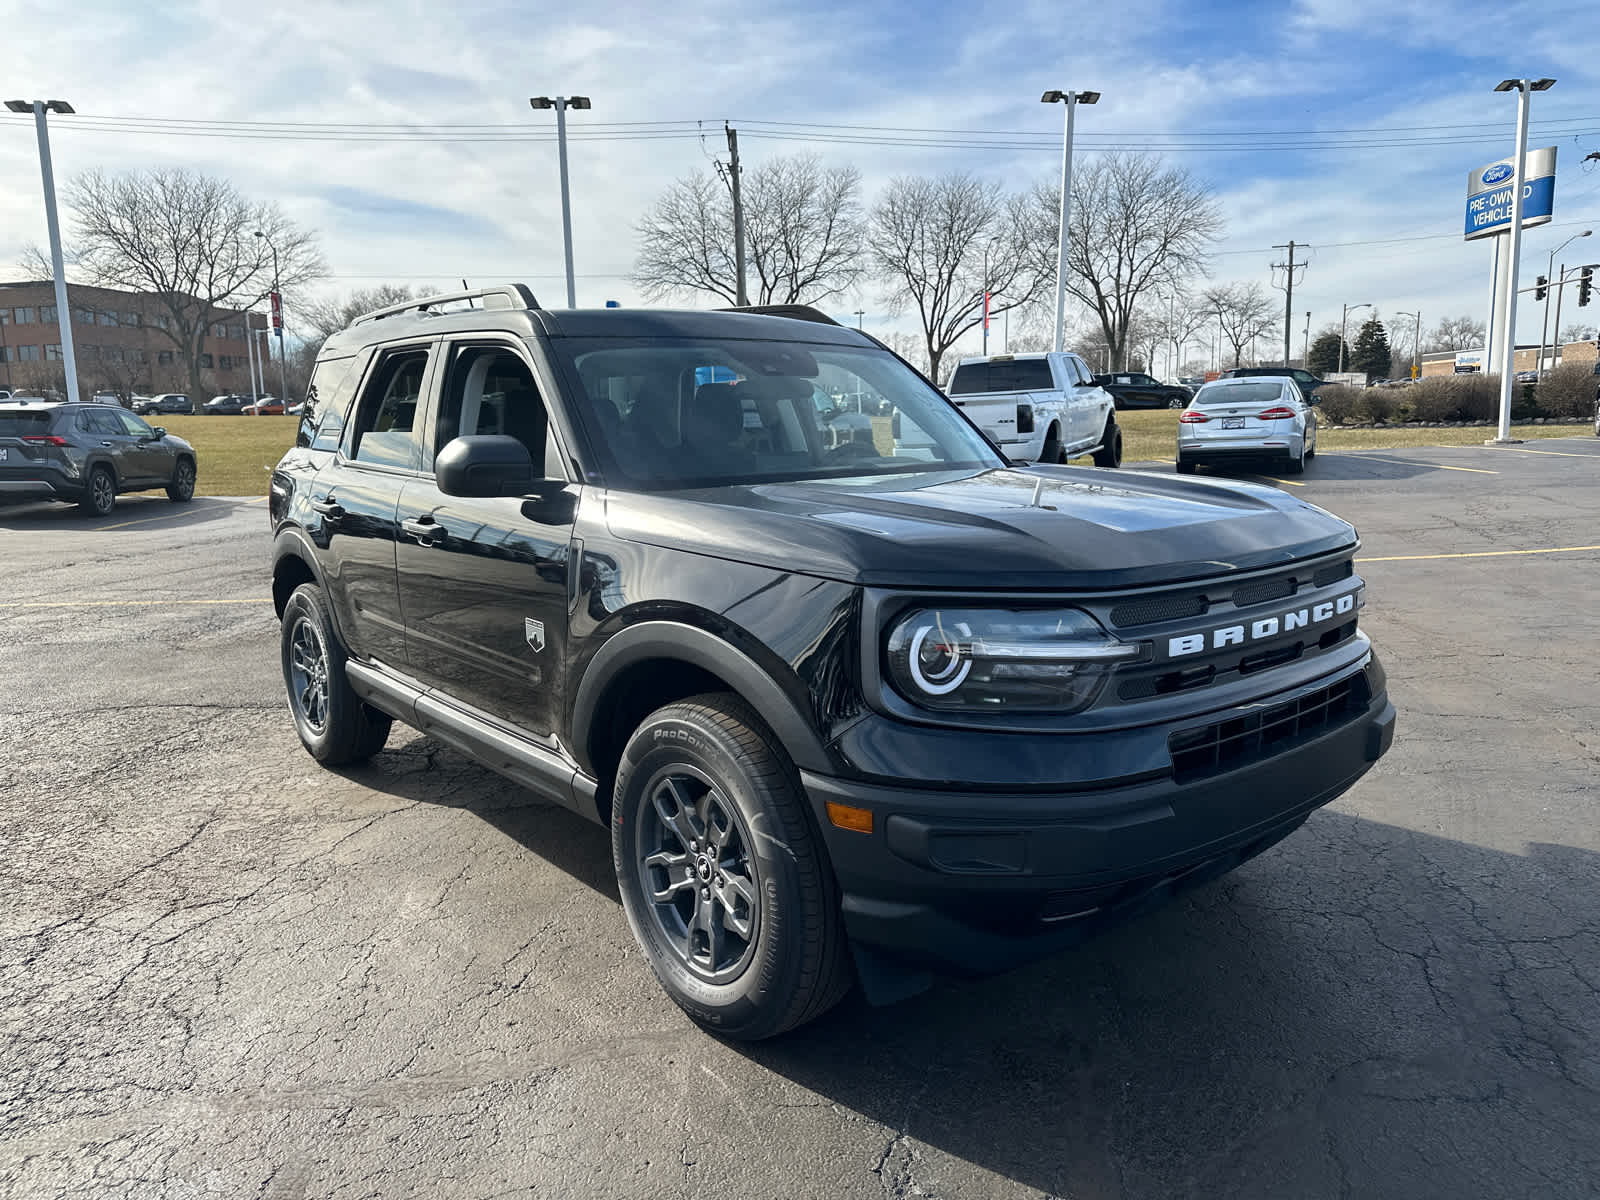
{"x": 1348, "y": 125}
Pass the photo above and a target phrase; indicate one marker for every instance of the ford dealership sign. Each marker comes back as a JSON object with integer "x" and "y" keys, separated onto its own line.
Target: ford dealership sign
{"x": 1490, "y": 192}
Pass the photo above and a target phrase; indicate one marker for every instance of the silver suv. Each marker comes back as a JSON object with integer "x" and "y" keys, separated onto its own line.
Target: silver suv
{"x": 86, "y": 454}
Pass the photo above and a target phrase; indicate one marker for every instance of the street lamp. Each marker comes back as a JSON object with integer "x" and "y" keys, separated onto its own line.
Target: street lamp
{"x": 561, "y": 104}
{"x": 1508, "y": 344}
{"x": 277, "y": 319}
{"x": 69, "y": 359}
{"x": 986, "y": 248}
{"x": 1416, "y": 342}
{"x": 1071, "y": 100}
{"x": 860, "y": 312}
{"x": 1344, "y": 317}
{"x": 1552, "y": 286}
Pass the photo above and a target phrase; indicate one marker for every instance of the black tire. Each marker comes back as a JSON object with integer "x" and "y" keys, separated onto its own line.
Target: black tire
{"x": 181, "y": 489}
{"x": 335, "y": 725}
{"x": 99, "y": 492}
{"x": 1052, "y": 453}
{"x": 1311, "y": 451}
{"x": 1186, "y": 467}
{"x": 708, "y": 765}
{"x": 1110, "y": 452}
{"x": 1296, "y": 465}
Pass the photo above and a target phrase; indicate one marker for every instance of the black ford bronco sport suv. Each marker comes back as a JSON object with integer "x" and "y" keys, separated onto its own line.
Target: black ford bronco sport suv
{"x": 857, "y": 707}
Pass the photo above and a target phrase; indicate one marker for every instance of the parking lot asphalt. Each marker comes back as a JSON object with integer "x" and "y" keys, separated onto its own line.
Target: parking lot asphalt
{"x": 227, "y": 972}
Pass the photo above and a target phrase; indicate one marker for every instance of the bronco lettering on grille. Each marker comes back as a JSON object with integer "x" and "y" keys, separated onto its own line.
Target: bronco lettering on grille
{"x": 1263, "y": 627}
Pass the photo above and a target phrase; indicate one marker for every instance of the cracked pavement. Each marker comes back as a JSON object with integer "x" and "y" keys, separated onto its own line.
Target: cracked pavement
{"x": 227, "y": 972}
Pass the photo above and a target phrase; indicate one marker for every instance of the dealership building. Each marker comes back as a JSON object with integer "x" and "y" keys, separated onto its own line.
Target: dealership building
{"x": 1445, "y": 362}
{"x": 120, "y": 341}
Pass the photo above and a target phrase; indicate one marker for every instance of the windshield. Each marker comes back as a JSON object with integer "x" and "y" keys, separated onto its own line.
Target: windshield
{"x": 1257, "y": 391}
{"x": 680, "y": 412}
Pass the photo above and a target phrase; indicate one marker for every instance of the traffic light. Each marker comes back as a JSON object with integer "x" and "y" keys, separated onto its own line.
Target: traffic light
{"x": 1540, "y": 291}
{"x": 1585, "y": 285}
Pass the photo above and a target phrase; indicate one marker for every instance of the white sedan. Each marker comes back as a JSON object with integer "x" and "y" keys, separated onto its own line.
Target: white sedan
{"x": 1259, "y": 417}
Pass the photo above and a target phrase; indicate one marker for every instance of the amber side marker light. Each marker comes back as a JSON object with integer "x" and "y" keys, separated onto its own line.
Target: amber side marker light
{"x": 846, "y": 817}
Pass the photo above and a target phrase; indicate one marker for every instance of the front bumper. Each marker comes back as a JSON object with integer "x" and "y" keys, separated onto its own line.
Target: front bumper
{"x": 977, "y": 882}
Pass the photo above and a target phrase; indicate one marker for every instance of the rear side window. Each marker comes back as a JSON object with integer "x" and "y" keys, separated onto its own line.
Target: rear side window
{"x": 101, "y": 421}
{"x": 385, "y": 432}
{"x": 22, "y": 423}
{"x": 1018, "y": 375}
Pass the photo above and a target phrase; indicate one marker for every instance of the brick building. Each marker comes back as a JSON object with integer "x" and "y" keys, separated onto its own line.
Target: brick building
{"x": 1580, "y": 354}
{"x": 119, "y": 341}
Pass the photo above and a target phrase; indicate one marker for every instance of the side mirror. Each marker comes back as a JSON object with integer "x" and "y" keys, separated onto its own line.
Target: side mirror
{"x": 485, "y": 464}
{"x": 160, "y": 431}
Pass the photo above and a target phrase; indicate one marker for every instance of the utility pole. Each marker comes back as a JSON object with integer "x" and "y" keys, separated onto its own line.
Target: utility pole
{"x": 860, "y": 312}
{"x": 1288, "y": 270}
{"x": 742, "y": 297}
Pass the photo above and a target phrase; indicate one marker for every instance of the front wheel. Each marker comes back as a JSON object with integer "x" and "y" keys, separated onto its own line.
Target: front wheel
{"x": 335, "y": 726}
{"x": 181, "y": 489}
{"x": 721, "y": 874}
{"x": 1110, "y": 452}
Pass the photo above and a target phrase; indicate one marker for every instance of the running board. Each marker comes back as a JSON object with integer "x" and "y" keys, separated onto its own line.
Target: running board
{"x": 490, "y": 743}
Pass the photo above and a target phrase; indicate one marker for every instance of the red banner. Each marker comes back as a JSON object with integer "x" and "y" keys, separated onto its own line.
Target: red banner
{"x": 986, "y": 312}
{"x": 277, "y": 310}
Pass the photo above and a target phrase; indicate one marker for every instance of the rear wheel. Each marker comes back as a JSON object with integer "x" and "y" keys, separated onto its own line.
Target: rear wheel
{"x": 1297, "y": 463}
{"x": 1185, "y": 466}
{"x": 181, "y": 488}
{"x": 100, "y": 495}
{"x": 1052, "y": 453}
{"x": 1110, "y": 452}
{"x": 334, "y": 724}
{"x": 721, "y": 874}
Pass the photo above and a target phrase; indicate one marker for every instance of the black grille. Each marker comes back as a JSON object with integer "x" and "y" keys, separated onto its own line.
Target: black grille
{"x": 1333, "y": 574}
{"x": 1228, "y": 744}
{"x": 1157, "y": 608}
{"x": 1263, "y": 590}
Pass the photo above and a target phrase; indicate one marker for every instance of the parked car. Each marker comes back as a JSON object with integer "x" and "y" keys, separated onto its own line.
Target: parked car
{"x": 846, "y": 714}
{"x": 265, "y": 406}
{"x": 167, "y": 402}
{"x": 134, "y": 402}
{"x": 4, "y": 394}
{"x": 1255, "y": 417}
{"x": 1305, "y": 380}
{"x": 229, "y": 405}
{"x": 1526, "y": 377}
{"x": 1133, "y": 389}
{"x": 106, "y": 398}
{"x": 1039, "y": 407}
{"x": 87, "y": 453}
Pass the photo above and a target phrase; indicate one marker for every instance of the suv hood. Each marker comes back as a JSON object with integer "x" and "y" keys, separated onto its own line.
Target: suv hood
{"x": 979, "y": 530}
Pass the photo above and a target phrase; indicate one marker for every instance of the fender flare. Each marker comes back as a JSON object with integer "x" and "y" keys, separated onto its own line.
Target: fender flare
{"x": 673, "y": 639}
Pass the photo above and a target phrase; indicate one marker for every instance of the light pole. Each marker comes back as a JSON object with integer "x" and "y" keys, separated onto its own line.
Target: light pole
{"x": 1305, "y": 344}
{"x": 860, "y": 312}
{"x": 69, "y": 359}
{"x": 277, "y": 318}
{"x": 561, "y": 104}
{"x": 986, "y": 247}
{"x": 1552, "y": 286}
{"x": 1416, "y": 342}
{"x": 1071, "y": 100}
{"x": 1508, "y": 344}
{"x": 1344, "y": 318}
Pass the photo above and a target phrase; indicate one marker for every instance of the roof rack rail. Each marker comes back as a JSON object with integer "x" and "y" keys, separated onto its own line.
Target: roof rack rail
{"x": 510, "y": 296}
{"x": 795, "y": 312}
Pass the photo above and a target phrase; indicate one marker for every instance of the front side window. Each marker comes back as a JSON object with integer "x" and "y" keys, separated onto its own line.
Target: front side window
{"x": 329, "y": 393}
{"x": 657, "y": 426}
{"x": 137, "y": 426}
{"x": 491, "y": 390}
{"x": 385, "y": 432}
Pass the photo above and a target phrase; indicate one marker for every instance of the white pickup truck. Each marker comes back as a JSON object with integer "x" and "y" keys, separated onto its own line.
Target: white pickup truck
{"x": 1043, "y": 408}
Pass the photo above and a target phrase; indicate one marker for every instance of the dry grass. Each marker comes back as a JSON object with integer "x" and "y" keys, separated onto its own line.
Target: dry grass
{"x": 236, "y": 454}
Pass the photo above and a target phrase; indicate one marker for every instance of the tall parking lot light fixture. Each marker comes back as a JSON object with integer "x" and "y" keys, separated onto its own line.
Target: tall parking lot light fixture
{"x": 277, "y": 319}
{"x": 1555, "y": 286}
{"x": 561, "y": 104}
{"x": 1416, "y": 342}
{"x": 1508, "y": 322}
{"x": 1071, "y": 100}
{"x": 1344, "y": 317}
{"x": 69, "y": 359}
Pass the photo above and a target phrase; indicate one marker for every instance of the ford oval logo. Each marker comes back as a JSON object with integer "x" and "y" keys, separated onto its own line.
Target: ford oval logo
{"x": 1498, "y": 173}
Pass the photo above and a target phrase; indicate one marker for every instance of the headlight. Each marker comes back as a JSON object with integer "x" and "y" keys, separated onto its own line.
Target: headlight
{"x": 994, "y": 659}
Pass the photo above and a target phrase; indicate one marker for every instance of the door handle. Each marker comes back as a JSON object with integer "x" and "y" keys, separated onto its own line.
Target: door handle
{"x": 426, "y": 530}
{"x": 108, "y": 443}
{"x": 330, "y": 508}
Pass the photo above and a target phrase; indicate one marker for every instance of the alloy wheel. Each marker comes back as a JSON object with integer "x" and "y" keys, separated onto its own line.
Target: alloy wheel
{"x": 308, "y": 675}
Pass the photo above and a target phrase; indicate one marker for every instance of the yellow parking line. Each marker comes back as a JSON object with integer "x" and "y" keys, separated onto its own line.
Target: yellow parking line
{"x": 1552, "y": 453}
{"x": 1275, "y": 479}
{"x": 1479, "y": 554}
{"x": 125, "y": 603}
{"x": 1411, "y": 462}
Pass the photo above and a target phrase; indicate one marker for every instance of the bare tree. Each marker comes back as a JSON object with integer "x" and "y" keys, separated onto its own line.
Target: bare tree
{"x": 931, "y": 239}
{"x": 327, "y": 317}
{"x": 1456, "y": 333}
{"x": 803, "y": 234}
{"x": 1138, "y": 226}
{"x": 187, "y": 240}
{"x": 1179, "y": 317}
{"x": 1243, "y": 313}
{"x": 1578, "y": 332}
